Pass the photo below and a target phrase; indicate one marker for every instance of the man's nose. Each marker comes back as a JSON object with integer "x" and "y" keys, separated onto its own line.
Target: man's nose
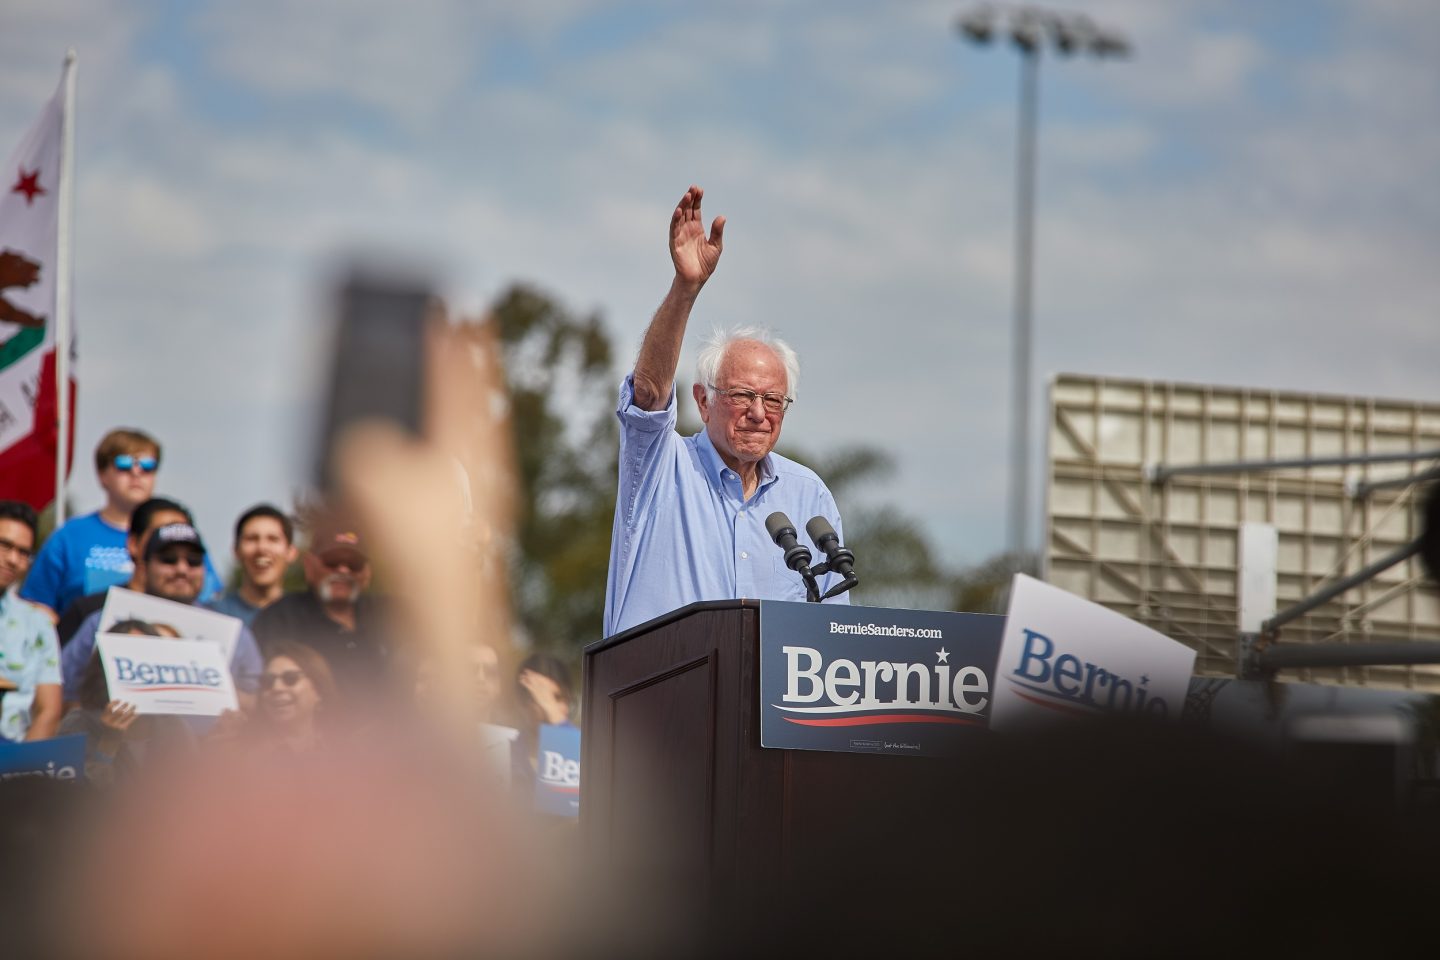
{"x": 756, "y": 410}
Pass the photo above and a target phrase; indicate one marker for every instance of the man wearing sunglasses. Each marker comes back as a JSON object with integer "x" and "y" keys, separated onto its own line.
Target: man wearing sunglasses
{"x": 153, "y": 513}
{"x": 87, "y": 554}
{"x": 336, "y": 617}
{"x": 174, "y": 569}
{"x": 690, "y": 511}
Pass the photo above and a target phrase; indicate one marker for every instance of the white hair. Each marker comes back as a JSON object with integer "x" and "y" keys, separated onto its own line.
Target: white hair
{"x": 712, "y": 354}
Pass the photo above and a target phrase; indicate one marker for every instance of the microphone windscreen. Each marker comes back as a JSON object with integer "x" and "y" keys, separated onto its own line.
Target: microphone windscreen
{"x": 776, "y": 524}
{"x": 819, "y": 527}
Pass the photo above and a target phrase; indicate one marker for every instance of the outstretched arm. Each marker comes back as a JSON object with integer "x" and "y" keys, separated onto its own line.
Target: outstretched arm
{"x": 695, "y": 257}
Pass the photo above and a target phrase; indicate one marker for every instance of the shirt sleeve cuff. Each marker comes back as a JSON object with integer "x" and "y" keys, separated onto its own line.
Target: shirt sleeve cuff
{"x": 635, "y": 418}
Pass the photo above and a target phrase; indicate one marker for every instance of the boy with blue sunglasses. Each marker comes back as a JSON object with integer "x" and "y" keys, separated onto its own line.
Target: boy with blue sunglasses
{"x": 88, "y": 553}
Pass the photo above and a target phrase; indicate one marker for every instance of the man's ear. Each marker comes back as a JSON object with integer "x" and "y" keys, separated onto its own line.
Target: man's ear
{"x": 698, "y": 390}
{"x": 132, "y": 547}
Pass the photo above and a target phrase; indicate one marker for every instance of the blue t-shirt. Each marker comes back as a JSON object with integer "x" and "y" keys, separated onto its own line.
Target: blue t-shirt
{"x": 87, "y": 555}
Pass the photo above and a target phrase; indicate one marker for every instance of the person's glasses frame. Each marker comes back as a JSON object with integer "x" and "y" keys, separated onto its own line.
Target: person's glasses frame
{"x": 743, "y": 399}
{"x": 286, "y": 678}
{"x": 126, "y": 462}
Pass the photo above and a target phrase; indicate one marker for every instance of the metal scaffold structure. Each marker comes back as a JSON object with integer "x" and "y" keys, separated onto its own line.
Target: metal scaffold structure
{"x": 1274, "y": 532}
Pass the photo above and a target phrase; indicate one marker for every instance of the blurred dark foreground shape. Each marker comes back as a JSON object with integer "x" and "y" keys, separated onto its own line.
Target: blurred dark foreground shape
{"x": 1116, "y": 840}
{"x": 1112, "y": 840}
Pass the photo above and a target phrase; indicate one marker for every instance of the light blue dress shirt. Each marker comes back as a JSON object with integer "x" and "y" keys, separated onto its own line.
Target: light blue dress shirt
{"x": 683, "y": 529}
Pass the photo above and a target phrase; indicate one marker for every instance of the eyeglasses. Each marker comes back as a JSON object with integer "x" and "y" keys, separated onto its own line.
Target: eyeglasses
{"x": 353, "y": 564}
{"x": 173, "y": 558}
{"x": 7, "y": 545}
{"x": 289, "y": 678}
{"x": 125, "y": 463}
{"x": 743, "y": 399}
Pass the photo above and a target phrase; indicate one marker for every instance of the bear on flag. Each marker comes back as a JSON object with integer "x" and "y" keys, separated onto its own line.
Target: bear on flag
{"x": 29, "y": 283}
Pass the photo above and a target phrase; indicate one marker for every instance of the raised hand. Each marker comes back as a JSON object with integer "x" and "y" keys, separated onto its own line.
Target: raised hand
{"x": 546, "y": 695}
{"x": 695, "y": 255}
{"x": 118, "y": 716}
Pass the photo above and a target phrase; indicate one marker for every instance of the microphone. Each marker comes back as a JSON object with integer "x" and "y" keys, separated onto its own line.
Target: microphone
{"x": 782, "y": 531}
{"x": 839, "y": 559}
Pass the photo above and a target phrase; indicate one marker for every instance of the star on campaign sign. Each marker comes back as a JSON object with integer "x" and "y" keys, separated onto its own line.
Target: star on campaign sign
{"x": 29, "y": 185}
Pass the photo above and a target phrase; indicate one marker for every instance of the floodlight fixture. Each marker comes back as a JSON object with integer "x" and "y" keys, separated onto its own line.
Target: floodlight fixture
{"x": 1110, "y": 44}
{"x": 978, "y": 26}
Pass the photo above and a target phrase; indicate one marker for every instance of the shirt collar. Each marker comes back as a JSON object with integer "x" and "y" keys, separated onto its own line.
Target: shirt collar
{"x": 716, "y": 467}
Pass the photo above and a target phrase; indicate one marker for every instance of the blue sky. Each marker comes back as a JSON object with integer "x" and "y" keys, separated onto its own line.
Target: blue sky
{"x": 1251, "y": 200}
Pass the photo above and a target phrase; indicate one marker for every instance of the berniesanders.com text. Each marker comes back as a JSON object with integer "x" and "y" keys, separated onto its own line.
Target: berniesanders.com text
{"x": 886, "y": 630}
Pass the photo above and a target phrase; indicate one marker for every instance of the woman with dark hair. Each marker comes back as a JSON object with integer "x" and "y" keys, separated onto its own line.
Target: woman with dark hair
{"x": 297, "y": 697}
{"x": 111, "y": 728}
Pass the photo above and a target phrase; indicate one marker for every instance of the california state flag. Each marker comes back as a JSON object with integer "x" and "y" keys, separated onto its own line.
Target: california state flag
{"x": 29, "y": 229}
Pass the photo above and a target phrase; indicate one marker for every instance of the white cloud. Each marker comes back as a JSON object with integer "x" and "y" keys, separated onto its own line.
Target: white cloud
{"x": 1194, "y": 231}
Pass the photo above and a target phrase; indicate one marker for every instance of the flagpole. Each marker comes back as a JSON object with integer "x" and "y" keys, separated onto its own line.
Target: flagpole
{"x": 62, "y": 288}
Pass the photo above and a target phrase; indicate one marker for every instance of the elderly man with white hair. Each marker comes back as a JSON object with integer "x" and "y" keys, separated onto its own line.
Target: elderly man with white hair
{"x": 690, "y": 512}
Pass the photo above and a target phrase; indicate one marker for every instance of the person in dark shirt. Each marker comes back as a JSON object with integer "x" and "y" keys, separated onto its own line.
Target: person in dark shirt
{"x": 336, "y": 617}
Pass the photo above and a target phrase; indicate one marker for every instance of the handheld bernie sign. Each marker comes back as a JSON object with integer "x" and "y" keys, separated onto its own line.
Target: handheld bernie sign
{"x": 186, "y": 677}
{"x": 62, "y": 758}
{"x": 496, "y": 744}
{"x": 557, "y": 774}
{"x": 874, "y": 679}
{"x": 1067, "y": 657}
{"x": 156, "y": 616}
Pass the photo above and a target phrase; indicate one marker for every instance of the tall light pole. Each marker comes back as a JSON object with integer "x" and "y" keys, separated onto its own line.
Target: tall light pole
{"x": 1029, "y": 28}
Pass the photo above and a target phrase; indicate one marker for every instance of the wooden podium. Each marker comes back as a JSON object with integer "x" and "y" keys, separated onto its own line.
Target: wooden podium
{"x": 678, "y": 798}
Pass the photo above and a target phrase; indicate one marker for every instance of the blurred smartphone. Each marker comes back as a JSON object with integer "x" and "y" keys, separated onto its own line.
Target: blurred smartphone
{"x": 378, "y": 365}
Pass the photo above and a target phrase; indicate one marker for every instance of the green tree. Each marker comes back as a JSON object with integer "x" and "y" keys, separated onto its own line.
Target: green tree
{"x": 985, "y": 588}
{"x": 559, "y": 371}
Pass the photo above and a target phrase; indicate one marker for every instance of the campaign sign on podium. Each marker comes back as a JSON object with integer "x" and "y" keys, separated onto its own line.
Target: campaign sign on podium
{"x": 1065, "y": 656}
{"x": 874, "y": 679}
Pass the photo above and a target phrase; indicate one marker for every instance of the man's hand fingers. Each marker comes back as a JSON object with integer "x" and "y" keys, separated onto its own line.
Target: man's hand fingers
{"x": 717, "y": 232}
{"x": 689, "y": 208}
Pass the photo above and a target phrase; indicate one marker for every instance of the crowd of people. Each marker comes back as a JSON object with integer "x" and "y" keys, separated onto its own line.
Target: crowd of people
{"x": 306, "y": 664}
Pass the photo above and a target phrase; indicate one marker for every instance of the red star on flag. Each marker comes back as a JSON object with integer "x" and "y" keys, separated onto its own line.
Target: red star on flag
{"x": 28, "y": 184}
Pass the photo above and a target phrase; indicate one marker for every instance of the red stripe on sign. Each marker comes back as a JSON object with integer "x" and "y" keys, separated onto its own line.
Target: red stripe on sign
{"x": 882, "y": 718}
{"x": 1055, "y": 706}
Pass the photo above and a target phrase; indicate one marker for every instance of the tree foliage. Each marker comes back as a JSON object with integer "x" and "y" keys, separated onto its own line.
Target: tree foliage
{"x": 560, "y": 373}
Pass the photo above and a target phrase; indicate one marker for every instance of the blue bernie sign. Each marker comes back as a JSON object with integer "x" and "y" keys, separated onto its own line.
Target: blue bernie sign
{"x": 60, "y": 759}
{"x": 874, "y": 679}
{"x": 557, "y": 777}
